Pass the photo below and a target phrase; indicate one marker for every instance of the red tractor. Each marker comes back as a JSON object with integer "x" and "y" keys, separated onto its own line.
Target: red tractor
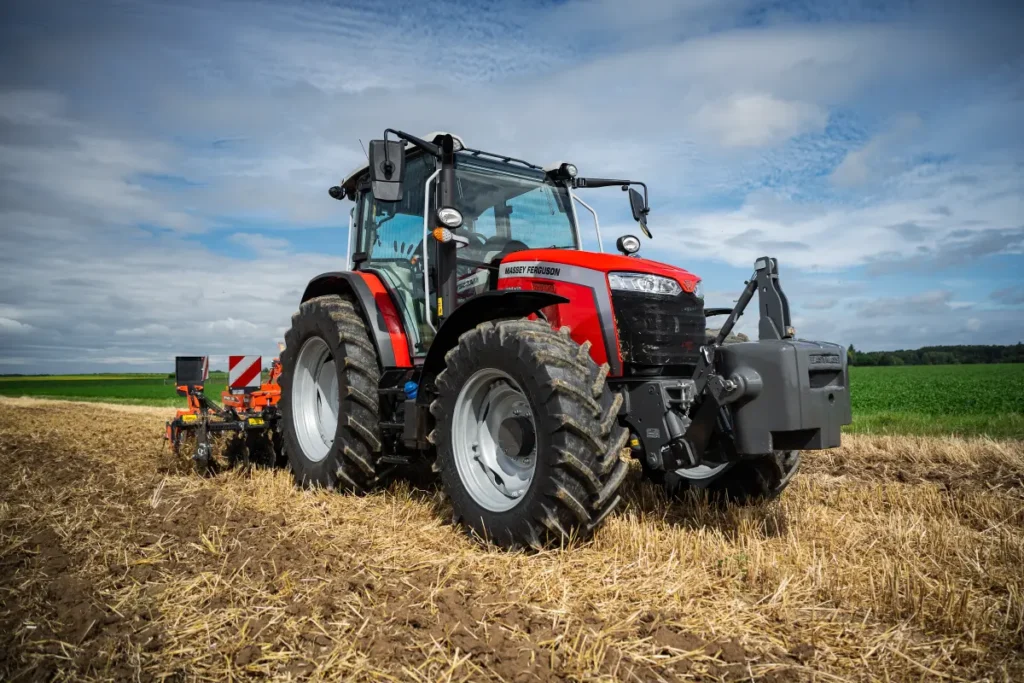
{"x": 472, "y": 333}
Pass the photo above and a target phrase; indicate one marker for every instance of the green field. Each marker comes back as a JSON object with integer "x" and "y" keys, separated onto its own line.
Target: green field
{"x": 147, "y": 390}
{"x": 965, "y": 400}
{"x": 939, "y": 399}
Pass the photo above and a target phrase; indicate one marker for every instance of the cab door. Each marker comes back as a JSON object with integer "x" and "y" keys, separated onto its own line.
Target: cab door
{"x": 390, "y": 236}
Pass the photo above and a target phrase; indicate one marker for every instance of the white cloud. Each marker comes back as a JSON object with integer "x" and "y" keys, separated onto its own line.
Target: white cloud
{"x": 232, "y": 325}
{"x": 151, "y": 330}
{"x": 755, "y": 120}
{"x": 261, "y": 244}
{"x": 878, "y": 158}
{"x": 826, "y": 236}
{"x": 821, "y": 304}
{"x": 13, "y": 326}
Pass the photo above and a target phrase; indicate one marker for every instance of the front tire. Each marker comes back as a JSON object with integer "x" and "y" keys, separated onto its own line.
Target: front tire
{"x": 330, "y": 417}
{"x": 527, "y": 435}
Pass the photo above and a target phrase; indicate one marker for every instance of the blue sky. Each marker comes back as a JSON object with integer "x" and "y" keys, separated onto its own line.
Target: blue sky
{"x": 165, "y": 165}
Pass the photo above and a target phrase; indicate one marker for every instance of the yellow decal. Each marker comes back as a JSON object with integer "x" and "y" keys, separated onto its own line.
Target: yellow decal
{"x": 440, "y": 308}
{"x": 256, "y": 421}
{"x": 188, "y": 418}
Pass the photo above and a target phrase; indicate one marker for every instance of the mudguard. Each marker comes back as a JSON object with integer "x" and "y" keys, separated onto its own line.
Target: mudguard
{"x": 505, "y": 303}
{"x": 377, "y": 308}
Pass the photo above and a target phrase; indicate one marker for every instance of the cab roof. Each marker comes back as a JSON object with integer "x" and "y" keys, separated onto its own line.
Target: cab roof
{"x": 348, "y": 184}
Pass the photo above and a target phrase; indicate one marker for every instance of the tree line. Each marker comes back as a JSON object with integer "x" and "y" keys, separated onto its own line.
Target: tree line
{"x": 939, "y": 355}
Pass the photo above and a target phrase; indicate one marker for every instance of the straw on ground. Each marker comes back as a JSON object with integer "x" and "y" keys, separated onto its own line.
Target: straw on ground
{"x": 893, "y": 557}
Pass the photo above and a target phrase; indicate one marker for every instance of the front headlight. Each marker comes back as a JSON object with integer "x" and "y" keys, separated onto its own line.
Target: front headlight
{"x": 644, "y": 283}
{"x": 698, "y": 291}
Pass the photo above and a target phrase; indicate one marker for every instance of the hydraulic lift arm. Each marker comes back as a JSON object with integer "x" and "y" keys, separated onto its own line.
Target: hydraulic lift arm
{"x": 715, "y": 390}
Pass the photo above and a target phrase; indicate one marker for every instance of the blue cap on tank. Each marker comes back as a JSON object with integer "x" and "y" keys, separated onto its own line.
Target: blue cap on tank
{"x": 411, "y": 388}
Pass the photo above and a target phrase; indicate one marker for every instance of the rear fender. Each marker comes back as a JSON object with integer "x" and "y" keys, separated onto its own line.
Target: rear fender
{"x": 494, "y": 305}
{"x": 376, "y": 307}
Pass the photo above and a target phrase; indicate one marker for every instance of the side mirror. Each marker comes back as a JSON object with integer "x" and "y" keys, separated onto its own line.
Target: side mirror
{"x": 639, "y": 207}
{"x": 387, "y": 169}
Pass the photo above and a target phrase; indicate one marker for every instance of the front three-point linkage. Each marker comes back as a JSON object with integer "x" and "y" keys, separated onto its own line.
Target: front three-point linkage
{"x": 687, "y": 450}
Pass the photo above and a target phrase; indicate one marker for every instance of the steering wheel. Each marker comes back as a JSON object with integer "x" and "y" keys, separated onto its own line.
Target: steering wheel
{"x": 480, "y": 239}
{"x": 513, "y": 246}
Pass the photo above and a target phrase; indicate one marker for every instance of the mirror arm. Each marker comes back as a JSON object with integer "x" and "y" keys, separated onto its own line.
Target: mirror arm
{"x": 599, "y": 182}
{"x": 612, "y": 182}
{"x": 428, "y": 147}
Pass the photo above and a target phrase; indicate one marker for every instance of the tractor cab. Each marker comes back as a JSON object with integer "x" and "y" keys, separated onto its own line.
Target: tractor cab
{"x": 438, "y": 228}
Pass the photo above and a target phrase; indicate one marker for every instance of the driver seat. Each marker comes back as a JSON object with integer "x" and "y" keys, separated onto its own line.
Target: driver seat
{"x": 494, "y": 257}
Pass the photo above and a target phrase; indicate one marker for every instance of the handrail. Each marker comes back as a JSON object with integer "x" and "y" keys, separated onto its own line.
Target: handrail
{"x": 351, "y": 238}
{"x": 426, "y": 261}
{"x": 597, "y": 224}
{"x": 502, "y": 157}
{"x": 575, "y": 216}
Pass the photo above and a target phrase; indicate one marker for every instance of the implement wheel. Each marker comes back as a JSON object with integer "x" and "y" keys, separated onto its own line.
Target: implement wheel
{"x": 330, "y": 419}
{"x": 527, "y": 437}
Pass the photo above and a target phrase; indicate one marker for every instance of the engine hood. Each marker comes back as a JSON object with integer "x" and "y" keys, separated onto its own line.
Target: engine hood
{"x": 606, "y": 263}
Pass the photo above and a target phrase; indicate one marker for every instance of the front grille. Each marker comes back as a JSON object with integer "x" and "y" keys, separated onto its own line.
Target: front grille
{"x": 659, "y": 330}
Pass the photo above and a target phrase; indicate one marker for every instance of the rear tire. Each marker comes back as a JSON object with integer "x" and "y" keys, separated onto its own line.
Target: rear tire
{"x": 553, "y": 466}
{"x": 330, "y": 419}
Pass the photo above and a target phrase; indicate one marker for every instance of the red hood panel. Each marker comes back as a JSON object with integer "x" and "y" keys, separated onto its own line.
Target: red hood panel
{"x": 605, "y": 263}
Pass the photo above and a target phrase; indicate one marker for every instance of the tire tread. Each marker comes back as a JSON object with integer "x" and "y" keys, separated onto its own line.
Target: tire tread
{"x": 580, "y": 416}
{"x": 356, "y": 467}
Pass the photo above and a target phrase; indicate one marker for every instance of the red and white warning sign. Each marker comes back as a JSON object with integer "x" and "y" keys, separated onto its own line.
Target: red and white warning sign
{"x": 244, "y": 372}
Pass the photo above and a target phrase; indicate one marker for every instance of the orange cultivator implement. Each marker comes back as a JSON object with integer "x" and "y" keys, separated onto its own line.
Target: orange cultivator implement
{"x": 248, "y": 417}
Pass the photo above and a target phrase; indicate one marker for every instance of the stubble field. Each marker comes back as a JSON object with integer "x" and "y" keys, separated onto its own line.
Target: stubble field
{"x": 893, "y": 558}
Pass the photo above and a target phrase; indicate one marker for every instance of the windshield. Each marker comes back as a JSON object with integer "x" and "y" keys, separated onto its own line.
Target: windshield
{"x": 506, "y": 211}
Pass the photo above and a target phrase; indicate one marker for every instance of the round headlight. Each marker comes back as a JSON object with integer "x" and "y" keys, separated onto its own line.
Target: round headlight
{"x": 449, "y": 216}
{"x": 570, "y": 170}
{"x": 628, "y": 244}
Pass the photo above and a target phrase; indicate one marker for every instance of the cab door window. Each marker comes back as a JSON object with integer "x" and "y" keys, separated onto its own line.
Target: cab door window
{"x": 391, "y": 236}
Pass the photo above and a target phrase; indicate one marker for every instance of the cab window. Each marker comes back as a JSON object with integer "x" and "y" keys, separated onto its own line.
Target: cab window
{"x": 391, "y": 235}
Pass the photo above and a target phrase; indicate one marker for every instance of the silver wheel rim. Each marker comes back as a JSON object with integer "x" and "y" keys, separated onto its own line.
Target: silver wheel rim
{"x": 315, "y": 399}
{"x": 494, "y": 440}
